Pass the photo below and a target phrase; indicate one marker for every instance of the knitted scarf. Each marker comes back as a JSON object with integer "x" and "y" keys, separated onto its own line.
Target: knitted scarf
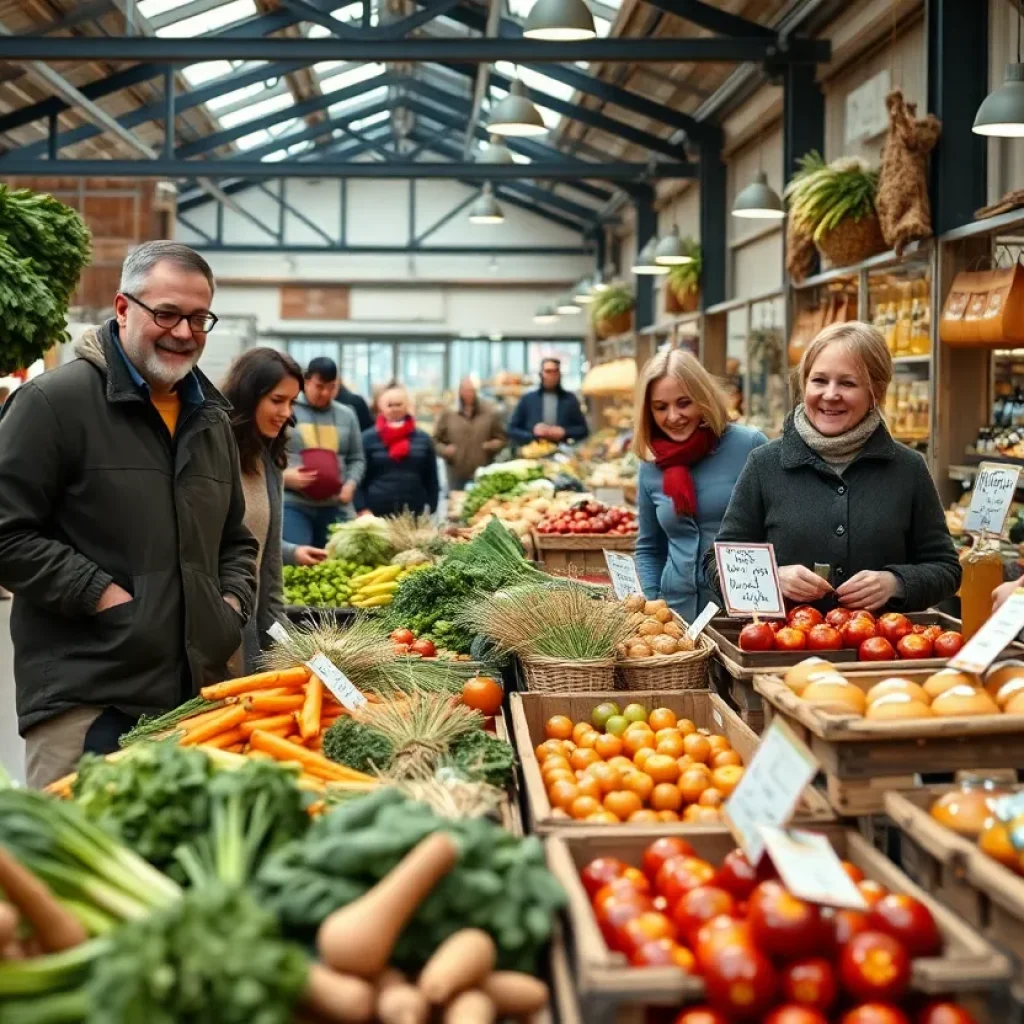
{"x": 841, "y": 450}
{"x": 674, "y": 459}
{"x": 396, "y": 436}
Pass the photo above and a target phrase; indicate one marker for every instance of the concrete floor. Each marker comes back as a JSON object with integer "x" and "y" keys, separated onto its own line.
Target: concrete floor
{"x": 12, "y": 750}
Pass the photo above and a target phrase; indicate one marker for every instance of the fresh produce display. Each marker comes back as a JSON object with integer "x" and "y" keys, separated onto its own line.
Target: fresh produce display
{"x": 658, "y": 635}
{"x": 632, "y": 764}
{"x": 538, "y": 449}
{"x": 365, "y": 540}
{"x": 988, "y": 814}
{"x": 521, "y": 513}
{"x": 763, "y": 953}
{"x": 503, "y": 479}
{"x": 590, "y": 517}
{"x": 326, "y": 585}
{"x": 892, "y": 636}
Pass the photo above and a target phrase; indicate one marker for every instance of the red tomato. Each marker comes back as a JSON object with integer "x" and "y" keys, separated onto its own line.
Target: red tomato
{"x": 810, "y": 982}
{"x": 873, "y": 966}
{"x": 875, "y": 1013}
{"x": 403, "y": 636}
{"x": 876, "y": 649}
{"x": 600, "y": 872}
{"x": 643, "y": 928}
{"x": 701, "y": 1015}
{"x": 872, "y": 891}
{"x": 623, "y": 888}
{"x": 699, "y": 906}
{"x": 839, "y": 617}
{"x": 853, "y": 871}
{"x": 857, "y": 630}
{"x": 662, "y": 953}
{"x": 947, "y": 644}
{"x": 424, "y": 648}
{"x": 914, "y": 645}
{"x": 784, "y": 925}
{"x": 894, "y": 627}
{"x": 846, "y": 924}
{"x": 793, "y": 1014}
{"x": 944, "y": 1013}
{"x": 756, "y": 636}
{"x": 933, "y": 632}
{"x": 909, "y": 921}
{"x": 824, "y": 638}
{"x": 662, "y": 850}
{"x": 615, "y": 914}
{"x": 722, "y": 931}
{"x": 736, "y": 875}
{"x": 681, "y": 874}
{"x": 739, "y": 980}
{"x": 804, "y": 616}
{"x": 789, "y": 638}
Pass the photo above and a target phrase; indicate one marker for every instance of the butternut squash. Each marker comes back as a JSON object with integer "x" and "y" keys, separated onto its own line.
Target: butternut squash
{"x": 472, "y": 1007}
{"x": 338, "y": 997}
{"x": 402, "y": 1003}
{"x": 515, "y": 994}
{"x": 358, "y": 939}
{"x": 462, "y": 961}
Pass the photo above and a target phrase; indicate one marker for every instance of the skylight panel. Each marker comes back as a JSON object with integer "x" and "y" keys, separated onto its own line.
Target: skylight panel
{"x": 359, "y": 73}
{"x": 365, "y": 122}
{"x": 210, "y": 21}
{"x": 363, "y": 100}
{"x": 229, "y": 99}
{"x": 154, "y": 8}
{"x": 207, "y": 71}
{"x": 257, "y": 138}
{"x": 278, "y": 154}
{"x": 254, "y": 110}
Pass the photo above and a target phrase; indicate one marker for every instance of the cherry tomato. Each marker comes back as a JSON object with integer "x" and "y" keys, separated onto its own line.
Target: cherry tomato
{"x": 736, "y": 875}
{"x": 739, "y": 980}
{"x": 600, "y": 872}
{"x": 615, "y": 914}
{"x": 698, "y": 906}
{"x": 621, "y": 890}
{"x": 795, "y": 1014}
{"x": 722, "y": 931}
{"x": 782, "y": 924}
{"x": 874, "y": 966}
{"x": 662, "y": 850}
{"x": 909, "y": 921}
{"x": 681, "y": 874}
{"x": 875, "y": 1013}
{"x": 810, "y": 982}
{"x": 944, "y": 1013}
{"x": 643, "y": 928}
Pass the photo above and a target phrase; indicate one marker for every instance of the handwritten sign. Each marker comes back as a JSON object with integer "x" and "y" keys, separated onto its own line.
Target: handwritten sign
{"x": 697, "y": 626}
{"x": 750, "y": 579}
{"x": 770, "y": 789}
{"x": 622, "y": 570}
{"x": 336, "y": 681}
{"x": 993, "y": 638}
{"x": 810, "y": 868}
{"x": 993, "y": 493}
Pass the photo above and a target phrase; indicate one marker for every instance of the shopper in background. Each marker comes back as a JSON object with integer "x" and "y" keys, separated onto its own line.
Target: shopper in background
{"x": 691, "y": 457}
{"x": 262, "y": 386}
{"x": 468, "y": 436}
{"x": 837, "y": 492}
{"x": 401, "y": 464}
{"x": 354, "y": 402}
{"x": 121, "y": 520}
{"x": 325, "y": 459}
{"x": 550, "y": 413}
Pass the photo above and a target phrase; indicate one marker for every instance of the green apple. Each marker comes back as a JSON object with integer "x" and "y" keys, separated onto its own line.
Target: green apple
{"x": 600, "y": 715}
{"x": 616, "y": 725}
{"x": 635, "y": 713}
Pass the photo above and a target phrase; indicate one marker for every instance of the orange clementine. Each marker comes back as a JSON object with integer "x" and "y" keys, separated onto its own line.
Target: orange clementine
{"x": 662, "y": 718}
{"x": 608, "y": 778}
{"x": 561, "y": 775}
{"x": 666, "y": 797}
{"x": 637, "y": 740}
{"x": 583, "y": 807}
{"x": 588, "y": 739}
{"x": 604, "y": 818}
{"x": 580, "y": 729}
{"x": 685, "y": 726}
{"x": 671, "y": 745}
{"x": 691, "y": 785}
{"x": 622, "y": 803}
{"x": 608, "y": 746}
{"x": 562, "y": 794}
{"x": 622, "y": 763}
{"x": 584, "y": 757}
{"x": 644, "y": 817}
{"x": 685, "y": 762}
{"x": 640, "y": 757}
{"x": 726, "y": 778}
{"x": 718, "y": 743}
{"x": 667, "y": 815}
{"x": 724, "y": 757}
{"x": 662, "y": 768}
{"x": 589, "y": 786}
{"x": 691, "y": 812}
{"x": 640, "y": 783}
{"x": 697, "y": 747}
{"x": 711, "y": 797}
{"x": 699, "y": 766}
{"x": 569, "y": 745}
{"x": 662, "y": 734}
{"x": 556, "y": 763}
{"x": 704, "y": 815}
{"x": 557, "y": 812}
{"x": 549, "y": 747}
{"x": 558, "y": 727}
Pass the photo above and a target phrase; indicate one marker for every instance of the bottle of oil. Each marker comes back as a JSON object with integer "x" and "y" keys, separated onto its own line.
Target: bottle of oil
{"x": 983, "y": 572}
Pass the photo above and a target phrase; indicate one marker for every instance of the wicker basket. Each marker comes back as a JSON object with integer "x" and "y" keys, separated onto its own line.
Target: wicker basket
{"x": 852, "y": 241}
{"x": 611, "y": 326}
{"x": 551, "y": 675}
{"x": 672, "y": 672}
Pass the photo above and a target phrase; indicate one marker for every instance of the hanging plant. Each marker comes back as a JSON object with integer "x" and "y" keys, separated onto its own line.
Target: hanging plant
{"x": 615, "y": 301}
{"x": 684, "y": 278}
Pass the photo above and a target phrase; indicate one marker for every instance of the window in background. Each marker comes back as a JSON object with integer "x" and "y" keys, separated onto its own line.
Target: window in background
{"x": 569, "y": 352}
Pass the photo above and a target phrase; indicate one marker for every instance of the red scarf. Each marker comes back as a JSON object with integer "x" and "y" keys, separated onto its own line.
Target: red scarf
{"x": 396, "y": 438}
{"x": 674, "y": 459}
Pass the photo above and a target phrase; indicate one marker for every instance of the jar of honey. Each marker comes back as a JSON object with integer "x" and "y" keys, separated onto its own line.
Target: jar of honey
{"x": 982, "y": 573}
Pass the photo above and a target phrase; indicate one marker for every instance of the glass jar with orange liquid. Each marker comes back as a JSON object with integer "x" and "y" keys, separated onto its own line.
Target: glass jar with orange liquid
{"x": 982, "y": 573}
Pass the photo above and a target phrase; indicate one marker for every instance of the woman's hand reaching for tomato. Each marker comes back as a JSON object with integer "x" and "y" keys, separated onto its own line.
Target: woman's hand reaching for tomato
{"x": 801, "y": 585}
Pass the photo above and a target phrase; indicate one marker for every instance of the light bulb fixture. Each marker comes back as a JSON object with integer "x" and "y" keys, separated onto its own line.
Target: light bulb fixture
{"x": 485, "y": 210}
{"x": 599, "y": 284}
{"x": 495, "y": 153}
{"x": 560, "y": 21}
{"x": 759, "y": 201}
{"x": 545, "y": 315}
{"x": 584, "y": 291}
{"x": 516, "y": 115}
{"x": 1002, "y": 111}
{"x": 644, "y": 263}
{"x": 567, "y": 306}
{"x": 669, "y": 251}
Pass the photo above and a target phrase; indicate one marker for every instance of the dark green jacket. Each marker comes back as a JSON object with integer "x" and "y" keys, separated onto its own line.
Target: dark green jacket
{"x": 883, "y": 513}
{"x": 93, "y": 489}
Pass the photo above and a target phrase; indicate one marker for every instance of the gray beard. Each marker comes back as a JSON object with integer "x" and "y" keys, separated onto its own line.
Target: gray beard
{"x": 156, "y": 372}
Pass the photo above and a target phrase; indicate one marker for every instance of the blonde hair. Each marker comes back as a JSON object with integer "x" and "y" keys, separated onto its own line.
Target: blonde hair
{"x": 865, "y": 343}
{"x": 705, "y": 391}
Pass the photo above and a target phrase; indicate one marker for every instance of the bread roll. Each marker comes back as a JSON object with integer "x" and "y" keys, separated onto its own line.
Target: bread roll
{"x": 1006, "y": 693}
{"x": 946, "y": 679}
{"x": 895, "y": 684}
{"x": 1000, "y": 674}
{"x": 831, "y": 692}
{"x": 799, "y": 675}
{"x": 963, "y": 700}
{"x": 897, "y": 705}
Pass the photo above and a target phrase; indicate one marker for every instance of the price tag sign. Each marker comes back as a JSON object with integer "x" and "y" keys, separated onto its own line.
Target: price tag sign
{"x": 810, "y": 868}
{"x": 697, "y": 626}
{"x": 336, "y": 681}
{"x": 622, "y": 570}
{"x": 750, "y": 580}
{"x": 993, "y": 493}
{"x": 610, "y": 495}
{"x": 770, "y": 789}
{"x": 278, "y": 633}
{"x": 993, "y": 638}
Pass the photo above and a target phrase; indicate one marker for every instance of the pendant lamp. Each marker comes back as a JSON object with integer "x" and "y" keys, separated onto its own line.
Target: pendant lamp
{"x": 645, "y": 262}
{"x": 583, "y": 293}
{"x": 759, "y": 201}
{"x": 567, "y": 306}
{"x": 560, "y": 21}
{"x": 485, "y": 210}
{"x": 495, "y": 153}
{"x": 1002, "y": 112}
{"x": 669, "y": 251}
{"x": 545, "y": 315}
{"x": 516, "y": 115}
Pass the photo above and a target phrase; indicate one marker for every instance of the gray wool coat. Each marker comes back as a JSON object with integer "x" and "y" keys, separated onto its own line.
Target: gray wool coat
{"x": 883, "y": 513}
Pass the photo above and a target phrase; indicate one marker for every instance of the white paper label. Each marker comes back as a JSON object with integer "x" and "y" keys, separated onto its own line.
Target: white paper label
{"x": 622, "y": 570}
{"x": 278, "y": 632}
{"x": 993, "y": 638}
{"x": 770, "y": 789}
{"x": 336, "y": 681}
{"x": 991, "y": 498}
{"x": 810, "y": 868}
{"x": 615, "y": 496}
{"x": 750, "y": 579}
{"x": 697, "y": 626}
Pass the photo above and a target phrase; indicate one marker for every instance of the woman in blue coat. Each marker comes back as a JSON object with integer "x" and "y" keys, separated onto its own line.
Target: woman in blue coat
{"x": 691, "y": 458}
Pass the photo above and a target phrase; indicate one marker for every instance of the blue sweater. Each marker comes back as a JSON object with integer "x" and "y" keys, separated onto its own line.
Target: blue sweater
{"x": 389, "y": 486}
{"x": 670, "y": 548}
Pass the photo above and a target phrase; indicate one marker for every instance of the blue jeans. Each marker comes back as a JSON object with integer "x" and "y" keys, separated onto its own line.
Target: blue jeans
{"x": 304, "y": 524}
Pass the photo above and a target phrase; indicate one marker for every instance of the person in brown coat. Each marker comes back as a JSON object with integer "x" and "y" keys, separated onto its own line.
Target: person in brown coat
{"x": 468, "y": 437}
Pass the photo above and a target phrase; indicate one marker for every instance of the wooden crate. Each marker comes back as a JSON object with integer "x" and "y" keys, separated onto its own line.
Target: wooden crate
{"x": 511, "y": 817}
{"x": 987, "y": 895}
{"x": 577, "y": 554}
{"x": 969, "y": 965}
{"x": 862, "y": 759}
{"x": 705, "y": 709}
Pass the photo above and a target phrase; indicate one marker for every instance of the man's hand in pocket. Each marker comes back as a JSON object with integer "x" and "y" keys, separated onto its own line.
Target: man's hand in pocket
{"x": 112, "y": 597}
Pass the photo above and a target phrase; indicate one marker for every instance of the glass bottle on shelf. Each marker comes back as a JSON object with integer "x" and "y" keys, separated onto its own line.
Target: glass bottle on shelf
{"x": 920, "y": 330}
{"x": 880, "y": 318}
{"x": 982, "y": 573}
{"x": 891, "y": 310}
{"x": 904, "y": 320}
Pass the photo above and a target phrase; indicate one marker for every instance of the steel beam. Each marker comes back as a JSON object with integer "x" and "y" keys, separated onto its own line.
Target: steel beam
{"x": 195, "y": 228}
{"x": 169, "y": 114}
{"x": 713, "y": 228}
{"x": 391, "y": 250}
{"x": 714, "y": 19}
{"x": 419, "y": 239}
{"x": 803, "y": 118}
{"x": 394, "y": 30}
{"x": 646, "y": 229}
{"x": 424, "y": 49}
{"x": 285, "y": 207}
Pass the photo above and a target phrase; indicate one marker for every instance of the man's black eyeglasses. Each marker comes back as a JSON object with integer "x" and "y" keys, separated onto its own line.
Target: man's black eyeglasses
{"x": 202, "y": 323}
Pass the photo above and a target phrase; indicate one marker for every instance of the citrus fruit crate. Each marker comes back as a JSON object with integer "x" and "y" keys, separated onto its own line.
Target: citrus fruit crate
{"x": 530, "y": 712}
{"x": 578, "y": 554}
{"x": 862, "y": 759}
{"x": 968, "y": 966}
{"x": 511, "y": 816}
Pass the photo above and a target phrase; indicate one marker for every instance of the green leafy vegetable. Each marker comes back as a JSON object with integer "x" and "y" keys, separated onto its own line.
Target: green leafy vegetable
{"x": 481, "y": 757}
{"x": 357, "y": 746}
{"x": 364, "y": 540}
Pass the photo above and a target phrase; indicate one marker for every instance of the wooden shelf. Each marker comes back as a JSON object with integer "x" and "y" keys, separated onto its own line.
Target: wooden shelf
{"x": 911, "y": 360}
{"x": 1003, "y": 223}
{"x": 679, "y": 320}
{"x": 914, "y": 252}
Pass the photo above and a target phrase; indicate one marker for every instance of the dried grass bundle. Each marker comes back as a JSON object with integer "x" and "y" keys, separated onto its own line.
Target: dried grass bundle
{"x": 408, "y": 530}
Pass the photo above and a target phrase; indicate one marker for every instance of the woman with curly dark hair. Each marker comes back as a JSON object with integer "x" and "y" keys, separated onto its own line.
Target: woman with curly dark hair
{"x": 261, "y": 386}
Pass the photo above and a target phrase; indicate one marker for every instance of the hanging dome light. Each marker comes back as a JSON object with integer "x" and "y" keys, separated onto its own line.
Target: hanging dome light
{"x": 495, "y": 153}
{"x": 560, "y": 21}
{"x": 1002, "y": 111}
{"x": 644, "y": 263}
{"x": 486, "y": 209}
{"x": 583, "y": 293}
{"x": 759, "y": 201}
{"x": 567, "y": 306}
{"x": 599, "y": 284}
{"x": 545, "y": 315}
{"x": 670, "y": 251}
{"x": 516, "y": 115}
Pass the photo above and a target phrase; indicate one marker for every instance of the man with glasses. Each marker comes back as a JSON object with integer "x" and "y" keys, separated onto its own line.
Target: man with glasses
{"x": 121, "y": 531}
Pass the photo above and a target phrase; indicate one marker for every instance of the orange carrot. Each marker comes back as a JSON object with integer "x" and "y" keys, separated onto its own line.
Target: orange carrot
{"x": 237, "y": 748}
{"x": 312, "y": 763}
{"x": 271, "y": 723}
{"x": 290, "y": 677}
{"x": 274, "y": 705}
{"x": 309, "y": 718}
{"x": 188, "y": 724}
{"x": 225, "y": 740}
{"x": 228, "y": 719}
